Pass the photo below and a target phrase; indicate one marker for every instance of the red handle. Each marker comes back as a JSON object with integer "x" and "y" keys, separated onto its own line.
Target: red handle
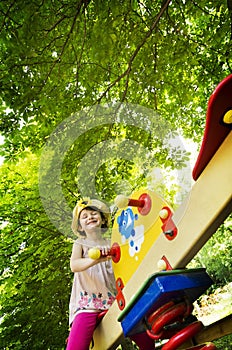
{"x": 182, "y": 336}
{"x": 114, "y": 252}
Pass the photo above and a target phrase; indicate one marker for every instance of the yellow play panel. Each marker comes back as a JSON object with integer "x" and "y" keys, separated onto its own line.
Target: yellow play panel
{"x": 135, "y": 230}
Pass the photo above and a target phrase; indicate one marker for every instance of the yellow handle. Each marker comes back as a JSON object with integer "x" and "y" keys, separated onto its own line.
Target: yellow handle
{"x": 94, "y": 253}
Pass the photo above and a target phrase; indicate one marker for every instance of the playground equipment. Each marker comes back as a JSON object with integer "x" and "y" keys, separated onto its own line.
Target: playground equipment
{"x": 162, "y": 307}
{"x": 148, "y": 237}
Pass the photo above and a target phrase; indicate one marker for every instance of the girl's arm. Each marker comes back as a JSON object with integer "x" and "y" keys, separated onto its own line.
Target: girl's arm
{"x": 78, "y": 263}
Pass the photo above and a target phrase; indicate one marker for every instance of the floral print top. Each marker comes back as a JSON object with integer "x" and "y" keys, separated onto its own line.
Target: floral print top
{"x": 93, "y": 289}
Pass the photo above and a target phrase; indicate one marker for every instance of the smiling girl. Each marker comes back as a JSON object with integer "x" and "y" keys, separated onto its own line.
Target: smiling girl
{"x": 93, "y": 288}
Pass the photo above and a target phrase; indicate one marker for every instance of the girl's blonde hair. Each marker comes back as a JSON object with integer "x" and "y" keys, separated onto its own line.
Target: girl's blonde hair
{"x": 91, "y": 204}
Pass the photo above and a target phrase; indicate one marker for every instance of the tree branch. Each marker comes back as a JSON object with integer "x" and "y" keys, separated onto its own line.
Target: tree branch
{"x": 229, "y": 5}
{"x": 83, "y": 3}
{"x": 126, "y": 73}
{"x": 7, "y": 15}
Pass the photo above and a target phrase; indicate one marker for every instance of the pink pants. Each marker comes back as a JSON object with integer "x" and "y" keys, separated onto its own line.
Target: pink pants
{"x": 82, "y": 329}
{"x": 81, "y": 332}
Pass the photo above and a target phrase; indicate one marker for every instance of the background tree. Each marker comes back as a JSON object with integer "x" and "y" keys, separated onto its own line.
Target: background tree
{"x": 57, "y": 59}
{"x": 34, "y": 265}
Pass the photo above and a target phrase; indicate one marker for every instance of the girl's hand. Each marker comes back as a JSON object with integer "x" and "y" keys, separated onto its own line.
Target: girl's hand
{"x": 105, "y": 251}
{"x": 101, "y": 253}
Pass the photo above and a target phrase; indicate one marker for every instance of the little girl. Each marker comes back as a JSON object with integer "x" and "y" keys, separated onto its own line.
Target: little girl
{"x": 93, "y": 288}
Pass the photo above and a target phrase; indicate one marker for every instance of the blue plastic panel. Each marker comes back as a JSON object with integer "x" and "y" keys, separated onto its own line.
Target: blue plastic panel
{"x": 158, "y": 290}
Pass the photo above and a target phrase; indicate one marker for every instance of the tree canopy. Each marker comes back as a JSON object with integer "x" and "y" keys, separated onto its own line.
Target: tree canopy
{"x": 92, "y": 92}
{"x": 58, "y": 57}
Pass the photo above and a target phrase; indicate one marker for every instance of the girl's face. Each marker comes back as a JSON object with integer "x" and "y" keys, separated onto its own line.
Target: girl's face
{"x": 90, "y": 219}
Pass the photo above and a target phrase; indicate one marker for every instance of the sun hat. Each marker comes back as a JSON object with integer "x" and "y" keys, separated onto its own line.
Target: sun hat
{"x": 89, "y": 203}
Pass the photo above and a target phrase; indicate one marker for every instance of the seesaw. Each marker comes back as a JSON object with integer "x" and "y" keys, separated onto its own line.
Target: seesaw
{"x": 176, "y": 237}
{"x": 171, "y": 291}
